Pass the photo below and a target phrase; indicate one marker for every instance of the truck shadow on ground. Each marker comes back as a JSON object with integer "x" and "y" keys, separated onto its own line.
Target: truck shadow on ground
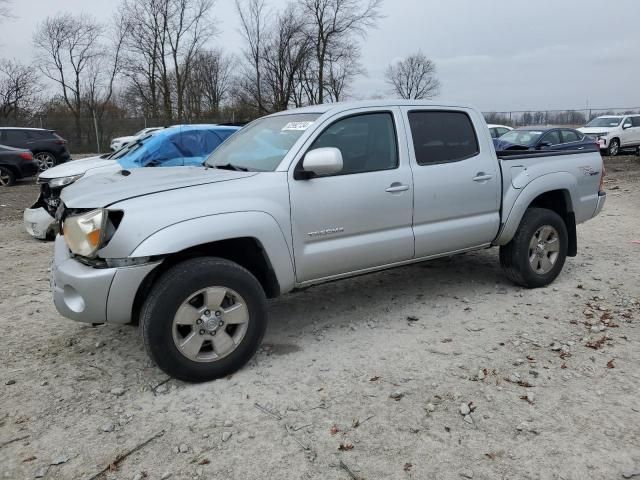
{"x": 394, "y": 293}
{"x": 440, "y": 281}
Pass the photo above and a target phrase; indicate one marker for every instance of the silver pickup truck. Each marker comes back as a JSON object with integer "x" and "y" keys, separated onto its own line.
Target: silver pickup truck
{"x": 303, "y": 197}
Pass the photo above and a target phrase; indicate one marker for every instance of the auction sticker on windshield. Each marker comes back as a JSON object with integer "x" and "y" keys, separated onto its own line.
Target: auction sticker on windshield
{"x": 296, "y": 126}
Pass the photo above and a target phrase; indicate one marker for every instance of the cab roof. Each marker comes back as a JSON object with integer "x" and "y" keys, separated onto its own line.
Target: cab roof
{"x": 342, "y": 106}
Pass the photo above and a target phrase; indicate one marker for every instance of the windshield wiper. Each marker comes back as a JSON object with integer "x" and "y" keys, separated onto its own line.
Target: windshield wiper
{"x": 230, "y": 166}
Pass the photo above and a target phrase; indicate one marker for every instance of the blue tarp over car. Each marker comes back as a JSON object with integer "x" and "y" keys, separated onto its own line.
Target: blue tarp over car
{"x": 174, "y": 146}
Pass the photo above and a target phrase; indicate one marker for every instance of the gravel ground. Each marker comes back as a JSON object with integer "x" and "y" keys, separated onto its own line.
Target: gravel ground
{"x": 442, "y": 370}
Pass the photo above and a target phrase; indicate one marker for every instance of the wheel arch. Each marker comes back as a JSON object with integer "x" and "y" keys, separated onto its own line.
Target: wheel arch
{"x": 265, "y": 255}
{"x": 552, "y": 191}
{"x": 245, "y": 251}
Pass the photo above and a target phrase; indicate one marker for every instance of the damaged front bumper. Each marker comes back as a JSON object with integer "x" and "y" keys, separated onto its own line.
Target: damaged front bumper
{"x": 39, "y": 219}
{"x": 39, "y": 223}
{"x": 94, "y": 295}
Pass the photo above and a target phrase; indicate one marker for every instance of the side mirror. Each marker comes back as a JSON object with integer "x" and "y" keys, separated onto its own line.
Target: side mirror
{"x": 626, "y": 125}
{"x": 323, "y": 161}
{"x": 544, "y": 145}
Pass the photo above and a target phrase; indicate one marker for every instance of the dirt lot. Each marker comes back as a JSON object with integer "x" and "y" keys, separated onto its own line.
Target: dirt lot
{"x": 368, "y": 375}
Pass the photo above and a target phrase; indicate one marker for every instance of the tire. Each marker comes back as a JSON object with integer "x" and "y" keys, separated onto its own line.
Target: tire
{"x": 46, "y": 160}
{"x": 171, "y": 340}
{"x": 614, "y": 147}
{"x": 7, "y": 177}
{"x": 523, "y": 263}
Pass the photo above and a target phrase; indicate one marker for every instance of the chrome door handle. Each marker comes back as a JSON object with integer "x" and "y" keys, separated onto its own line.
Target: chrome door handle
{"x": 481, "y": 177}
{"x": 397, "y": 187}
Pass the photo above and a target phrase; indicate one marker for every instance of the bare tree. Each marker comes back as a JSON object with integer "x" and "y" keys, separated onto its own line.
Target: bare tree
{"x": 343, "y": 67}
{"x": 67, "y": 47}
{"x": 413, "y": 77}
{"x": 283, "y": 57}
{"x": 99, "y": 85}
{"x": 188, "y": 29}
{"x": 333, "y": 24}
{"x": 253, "y": 18}
{"x": 210, "y": 82}
{"x": 165, "y": 37}
{"x": 18, "y": 88}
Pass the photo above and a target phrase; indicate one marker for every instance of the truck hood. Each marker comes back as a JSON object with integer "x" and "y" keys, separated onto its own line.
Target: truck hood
{"x": 76, "y": 167}
{"x": 592, "y": 130}
{"x": 103, "y": 190}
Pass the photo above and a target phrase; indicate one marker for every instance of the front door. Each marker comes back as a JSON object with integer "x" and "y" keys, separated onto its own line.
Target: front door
{"x": 457, "y": 182}
{"x": 627, "y": 133}
{"x": 635, "y": 127}
{"x": 360, "y": 218}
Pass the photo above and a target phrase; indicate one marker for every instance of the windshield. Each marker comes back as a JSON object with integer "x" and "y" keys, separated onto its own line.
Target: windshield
{"x": 605, "y": 122}
{"x": 128, "y": 148}
{"x": 261, "y": 145}
{"x": 526, "y": 138}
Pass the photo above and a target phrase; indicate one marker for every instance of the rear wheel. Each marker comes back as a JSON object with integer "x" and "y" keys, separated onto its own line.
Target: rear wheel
{"x": 614, "y": 147}
{"x": 536, "y": 254}
{"x": 45, "y": 160}
{"x": 7, "y": 177}
{"x": 204, "y": 319}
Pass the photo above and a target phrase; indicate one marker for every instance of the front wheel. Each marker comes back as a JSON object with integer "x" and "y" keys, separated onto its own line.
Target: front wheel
{"x": 536, "y": 254}
{"x": 204, "y": 319}
{"x": 614, "y": 147}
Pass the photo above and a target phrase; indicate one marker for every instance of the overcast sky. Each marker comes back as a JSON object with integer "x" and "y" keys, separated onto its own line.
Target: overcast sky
{"x": 496, "y": 55}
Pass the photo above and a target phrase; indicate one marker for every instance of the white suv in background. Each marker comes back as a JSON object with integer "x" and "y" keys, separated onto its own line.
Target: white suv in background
{"x": 498, "y": 130}
{"x": 614, "y": 132}
{"x": 119, "y": 142}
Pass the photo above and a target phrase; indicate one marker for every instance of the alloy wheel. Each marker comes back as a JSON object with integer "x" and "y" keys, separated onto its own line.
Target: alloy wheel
{"x": 45, "y": 161}
{"x": 544, "y": 249}
{"x": 210, "y": 324}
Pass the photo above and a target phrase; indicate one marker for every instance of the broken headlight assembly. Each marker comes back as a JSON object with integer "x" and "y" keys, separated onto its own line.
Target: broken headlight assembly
{"x": 88, "y": 232}
{"x": 62, "y": 181}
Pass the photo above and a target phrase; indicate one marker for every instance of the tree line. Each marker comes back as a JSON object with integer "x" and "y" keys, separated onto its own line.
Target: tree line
{"x": 166, "y": 60}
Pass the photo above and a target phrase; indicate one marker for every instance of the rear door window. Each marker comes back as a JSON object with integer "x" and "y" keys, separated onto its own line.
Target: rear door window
{"x": 16, "y": 136}
{"x": 552, "y": 138}
{"x": 442, "y": 136}
{"x": 569, "y": 136}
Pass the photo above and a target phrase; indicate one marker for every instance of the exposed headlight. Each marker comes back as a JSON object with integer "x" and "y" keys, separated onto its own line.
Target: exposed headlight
{"x": 85, "y": 233}
{"x": 63, "y": 181}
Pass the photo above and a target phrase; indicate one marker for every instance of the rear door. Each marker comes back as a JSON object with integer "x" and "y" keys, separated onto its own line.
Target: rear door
{"x": 360, "y": 218}
{"x": 550, "y": 140}
{"x": 571, "y": 139}
{"x": 456, "y": 182}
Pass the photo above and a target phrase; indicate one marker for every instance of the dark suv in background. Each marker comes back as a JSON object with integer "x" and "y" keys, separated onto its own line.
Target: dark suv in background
{"x": 49, "y": 149}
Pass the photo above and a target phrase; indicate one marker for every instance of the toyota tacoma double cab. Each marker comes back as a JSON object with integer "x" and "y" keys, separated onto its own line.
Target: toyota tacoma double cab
{"x": 302, "y": 197}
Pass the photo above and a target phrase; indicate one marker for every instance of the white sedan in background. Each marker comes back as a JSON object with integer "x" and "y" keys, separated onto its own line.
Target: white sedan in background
{"x": 118, "y": 143}
{"x": 498, "y": 130}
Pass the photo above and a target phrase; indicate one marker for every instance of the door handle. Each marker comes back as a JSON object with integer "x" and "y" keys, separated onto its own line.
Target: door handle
{"x": 482, "y": 177}
{"x": 396, "y": 187}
